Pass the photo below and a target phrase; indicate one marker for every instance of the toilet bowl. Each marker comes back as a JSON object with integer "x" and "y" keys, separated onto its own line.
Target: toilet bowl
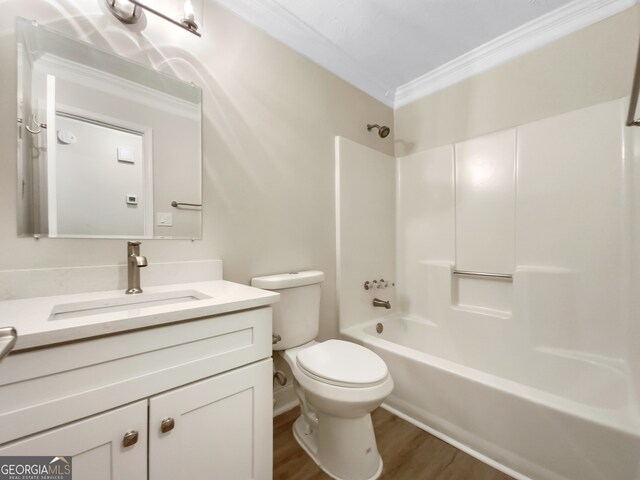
{"x": 338, "y": 383}
{"x": 336, "y": 397}
{"x": 343, "y": 391}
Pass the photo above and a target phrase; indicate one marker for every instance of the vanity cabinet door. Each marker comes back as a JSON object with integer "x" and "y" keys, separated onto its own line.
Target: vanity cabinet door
{"x": 219, "y": 428}
{"x": 95, "y": 444}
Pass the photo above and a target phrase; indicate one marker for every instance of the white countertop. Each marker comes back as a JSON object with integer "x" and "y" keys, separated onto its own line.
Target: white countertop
{"x": 31, "y": 316}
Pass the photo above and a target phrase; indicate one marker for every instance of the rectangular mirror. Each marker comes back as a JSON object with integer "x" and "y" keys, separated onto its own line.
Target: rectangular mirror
{"x": 107, "y": 148}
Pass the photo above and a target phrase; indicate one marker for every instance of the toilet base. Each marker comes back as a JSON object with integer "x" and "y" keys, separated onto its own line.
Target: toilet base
{"x": 344, "y": 448}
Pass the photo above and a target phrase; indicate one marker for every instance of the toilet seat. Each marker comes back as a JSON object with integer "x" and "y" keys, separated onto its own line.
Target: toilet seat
{"x": 344, "y": 401}
{"x": 343, "y": 364}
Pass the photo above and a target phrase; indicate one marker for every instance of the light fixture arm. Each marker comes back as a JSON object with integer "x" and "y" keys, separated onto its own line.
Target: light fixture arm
{"x": 125, "y": 17}
{"x": 188, "y": 24}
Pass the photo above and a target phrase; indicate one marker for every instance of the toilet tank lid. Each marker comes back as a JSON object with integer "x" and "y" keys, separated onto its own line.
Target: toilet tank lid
{"x": 288, "y": 280}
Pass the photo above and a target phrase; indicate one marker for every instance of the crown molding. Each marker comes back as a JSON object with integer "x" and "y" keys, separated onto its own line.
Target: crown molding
{"x": 526, "y": 38}
{"x": 270, "y": 17}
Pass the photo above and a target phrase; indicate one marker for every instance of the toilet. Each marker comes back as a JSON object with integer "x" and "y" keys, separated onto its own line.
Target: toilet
{"x": 338, "y": 383}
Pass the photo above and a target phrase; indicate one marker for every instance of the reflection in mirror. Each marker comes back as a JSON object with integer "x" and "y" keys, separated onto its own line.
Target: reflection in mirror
{"x": 105, "y": 145}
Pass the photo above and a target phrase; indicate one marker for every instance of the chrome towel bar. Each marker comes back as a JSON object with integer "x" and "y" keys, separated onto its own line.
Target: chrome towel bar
{"x": 181, "y": 204}
{"x": 505, "y": 276}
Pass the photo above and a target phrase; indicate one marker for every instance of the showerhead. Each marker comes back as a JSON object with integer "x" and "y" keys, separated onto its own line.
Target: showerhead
{"x": 383, "y": 130}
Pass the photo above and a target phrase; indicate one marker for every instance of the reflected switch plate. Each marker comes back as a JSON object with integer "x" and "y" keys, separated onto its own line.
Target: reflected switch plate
{"x": 164, "y": 219}
{"x": 125, "y": 154}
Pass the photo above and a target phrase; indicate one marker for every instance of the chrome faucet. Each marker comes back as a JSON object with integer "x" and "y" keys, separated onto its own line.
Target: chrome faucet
{"x": 135, "y": 262}
{"x": 381, "y": 303}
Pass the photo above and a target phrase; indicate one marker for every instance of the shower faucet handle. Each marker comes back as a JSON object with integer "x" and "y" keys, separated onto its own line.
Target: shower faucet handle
{"x": 377, "y": 284}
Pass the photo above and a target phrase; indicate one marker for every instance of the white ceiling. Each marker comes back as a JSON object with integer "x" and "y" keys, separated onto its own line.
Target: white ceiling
{"x": 381, "y": 45}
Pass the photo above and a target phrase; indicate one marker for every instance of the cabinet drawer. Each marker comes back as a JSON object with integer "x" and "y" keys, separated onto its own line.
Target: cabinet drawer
{"x": 43, "y": 388}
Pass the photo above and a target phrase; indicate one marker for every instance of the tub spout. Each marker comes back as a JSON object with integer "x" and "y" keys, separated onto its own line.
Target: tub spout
{"x": 381, "y": 303}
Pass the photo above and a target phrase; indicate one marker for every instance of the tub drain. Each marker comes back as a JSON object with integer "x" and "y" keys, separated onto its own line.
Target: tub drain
{"x": 379, "y": 328}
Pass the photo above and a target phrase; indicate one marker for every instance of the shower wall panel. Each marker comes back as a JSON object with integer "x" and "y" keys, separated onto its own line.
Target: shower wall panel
{"x": 485, "y": 191}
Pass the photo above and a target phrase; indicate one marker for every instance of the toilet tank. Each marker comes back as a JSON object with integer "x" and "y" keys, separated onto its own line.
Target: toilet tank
{"x": 296, "y": 317}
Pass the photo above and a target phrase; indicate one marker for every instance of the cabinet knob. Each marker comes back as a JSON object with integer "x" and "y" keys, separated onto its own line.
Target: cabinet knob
{"x": 130, "y": 438}
{"x": 167, "y": 425}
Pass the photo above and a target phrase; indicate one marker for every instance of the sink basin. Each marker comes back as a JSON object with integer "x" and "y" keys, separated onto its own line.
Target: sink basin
{"x": 119, "y": 304}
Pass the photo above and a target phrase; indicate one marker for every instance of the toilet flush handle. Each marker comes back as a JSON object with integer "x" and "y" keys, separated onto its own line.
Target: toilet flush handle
{"x": 275, "y": 339}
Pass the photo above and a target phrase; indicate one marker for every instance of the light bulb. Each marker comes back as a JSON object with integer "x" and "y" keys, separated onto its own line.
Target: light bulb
{"x": 188, "y": 11}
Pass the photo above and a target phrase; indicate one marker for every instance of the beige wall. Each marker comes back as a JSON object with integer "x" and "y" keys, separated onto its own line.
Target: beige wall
{"x": 591, "y": 66}
{"x": 270, "y": 117}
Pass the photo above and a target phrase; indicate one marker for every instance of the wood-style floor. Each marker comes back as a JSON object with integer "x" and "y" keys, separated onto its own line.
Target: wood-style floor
{"x": 408, "y": 453}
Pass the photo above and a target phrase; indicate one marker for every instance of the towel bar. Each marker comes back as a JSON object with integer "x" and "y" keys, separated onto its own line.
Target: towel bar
{"x": 181, "y": 204}
{"x": 483, "y": 274}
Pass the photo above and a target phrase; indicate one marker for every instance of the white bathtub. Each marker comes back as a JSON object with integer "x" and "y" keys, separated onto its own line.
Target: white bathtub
{"x": 540, "y": 414}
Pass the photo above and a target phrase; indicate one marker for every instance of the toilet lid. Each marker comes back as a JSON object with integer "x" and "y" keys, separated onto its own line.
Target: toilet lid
{"x": 342, "y": 363}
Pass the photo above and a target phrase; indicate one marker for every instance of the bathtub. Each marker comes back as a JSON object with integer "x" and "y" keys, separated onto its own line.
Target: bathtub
{"x": 539, "y": 414}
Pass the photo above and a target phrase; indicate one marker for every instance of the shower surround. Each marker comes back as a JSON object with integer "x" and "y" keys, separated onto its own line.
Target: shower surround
{"x": 536, "y": 374}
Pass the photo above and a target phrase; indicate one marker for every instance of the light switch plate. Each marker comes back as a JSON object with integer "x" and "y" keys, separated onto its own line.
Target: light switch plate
{"x": 125, "y": 154}
{"x": 164, "y": 219}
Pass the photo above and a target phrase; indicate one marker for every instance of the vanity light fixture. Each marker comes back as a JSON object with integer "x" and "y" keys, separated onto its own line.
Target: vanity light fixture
{"x": 126, "y": 15}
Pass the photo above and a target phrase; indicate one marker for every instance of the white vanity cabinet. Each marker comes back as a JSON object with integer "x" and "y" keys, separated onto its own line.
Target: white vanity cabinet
{"x": 95, "y": 444}
{"x": 198, "y": 394}
{"x": 222, "y": 425}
